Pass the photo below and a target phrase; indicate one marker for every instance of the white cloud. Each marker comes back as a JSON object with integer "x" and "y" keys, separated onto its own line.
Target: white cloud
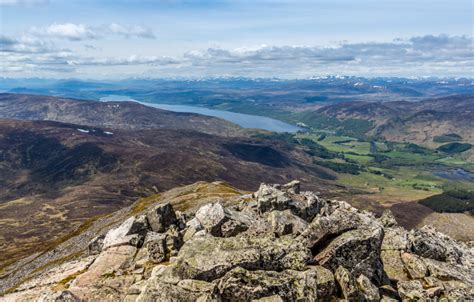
{"x": 130, "y": 31}
{"x": 22, "y": 2}
{"x": 80, "y": 32}
{"x": 131, "y": 60}
{"x": 426, "y": 55}
{"x": 69, "y": 31}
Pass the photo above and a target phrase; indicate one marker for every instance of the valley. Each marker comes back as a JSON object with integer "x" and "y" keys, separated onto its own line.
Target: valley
{"x": 66, "y": 162}
{"x": 60, "y": 175}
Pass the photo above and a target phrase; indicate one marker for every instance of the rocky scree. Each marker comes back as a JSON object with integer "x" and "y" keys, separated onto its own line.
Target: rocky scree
{"x": 279, "y": 244}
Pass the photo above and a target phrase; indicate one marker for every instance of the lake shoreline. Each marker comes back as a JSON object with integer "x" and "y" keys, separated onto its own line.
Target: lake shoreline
{"x": 241, "y": 119}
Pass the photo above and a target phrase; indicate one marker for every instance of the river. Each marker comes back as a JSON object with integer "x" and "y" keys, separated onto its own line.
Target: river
{"x": 243, "y": 120}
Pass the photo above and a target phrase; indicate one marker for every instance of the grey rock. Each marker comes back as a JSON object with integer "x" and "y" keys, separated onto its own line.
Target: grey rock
{"x": 96, "y": 245}
{"x": 428, "y": 243}
{"x": 326, "y": 284}
{"x": 131, "y": 232}
{"x": 367, "y": 289}
{"x": 61, "y": 296}
{"x": 155, "y": 244}
{"x": 161, "y": 217}
{"x": 395, "y": 238}
{"x": 292, "y": 187}
{"x": 211, "y": 216}
{"x": 285, "y": 222}
{"x": 313, "y": 205}
{"x": 274, "y": 298}
{"x": 192, "y": 227}
{"x": 174, "y": 241}
{"x": 208, "y": 258}
{"x": 270, "y": 197}
{"x": 222, "y": 222}
{"x": 323, "y": 228}
{"x": 412, "y": 291}
{"x": 240, "y": 284}
{"x": 184, "y": 290}
{"x": 357, "y": 250}
{"x": 280, "y": 198}
{"x": 387, "y": 219}
{"x": 347, "y": 284}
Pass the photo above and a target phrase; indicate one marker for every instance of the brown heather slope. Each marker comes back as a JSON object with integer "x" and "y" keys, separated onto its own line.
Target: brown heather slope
{"x": 117, "y": 115}
{"x": 55, "y": 177}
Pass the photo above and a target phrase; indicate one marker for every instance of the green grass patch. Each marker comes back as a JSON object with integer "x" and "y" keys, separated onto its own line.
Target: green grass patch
{"x": 339, "y": 167}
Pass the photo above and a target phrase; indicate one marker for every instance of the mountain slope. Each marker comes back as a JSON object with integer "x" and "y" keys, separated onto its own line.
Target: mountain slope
{"x": 59, "y": 175}
{"x": 416, "y": 122}
{"x": 117, "y": 115}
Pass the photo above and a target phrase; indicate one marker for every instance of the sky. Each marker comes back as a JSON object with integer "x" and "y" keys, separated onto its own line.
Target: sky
{"x": 113, "y": 39}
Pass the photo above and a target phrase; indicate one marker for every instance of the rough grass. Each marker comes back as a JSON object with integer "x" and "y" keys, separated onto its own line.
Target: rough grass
{"x": 63, "y": 284}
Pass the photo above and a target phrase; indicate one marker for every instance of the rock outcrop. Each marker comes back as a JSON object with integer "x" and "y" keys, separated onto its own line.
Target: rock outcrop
{"x": 279, "y": 244}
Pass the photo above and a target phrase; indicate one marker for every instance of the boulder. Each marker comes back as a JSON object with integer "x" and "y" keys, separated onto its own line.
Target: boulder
{"x": 240, "y": 284}
{"x": 326, "y": 285}
{"x": 174, "y": 240}
{"x": 270, "y": 197}
{"x": 274, "y": 298}
{"x": 60, "y": 296}
{"x": 356, "y": 289}
{"x": 387, "y": 219}
{"x": 96, "y": 245}
{"x": 292, "y": 187}
{"x": 367, "y": 289}
{"x": 221, "y": 222}
{"x": 192, "y": 227}
{"x": 155, "y": 244}
{"x": 428, "y": 243}
{"x": 347, "y": 284}
{"x": 285, "y": 222}
{"x": 280, "y": 198}
{"x": 395, "y": 238}
{"x": 357, "y": 250}
{"x": 161, "y": 217}
{"x": 414, "y": 266}
{"x": 131, "y": 232}
{"x": 313, "y": 205}
{"x": 412, "y": 291}
{"x": 324, "y": 228}
{"x": 209, "y": 258}
{"x": 393, "y": 265}
{"x": 184, "y": 290}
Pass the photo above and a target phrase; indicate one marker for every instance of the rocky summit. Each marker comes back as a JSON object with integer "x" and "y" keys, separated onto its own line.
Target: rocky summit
{"x": 277, "y": 244}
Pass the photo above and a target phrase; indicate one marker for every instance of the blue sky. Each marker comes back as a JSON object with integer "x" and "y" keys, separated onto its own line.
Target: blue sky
{"x": 287, "y": 39}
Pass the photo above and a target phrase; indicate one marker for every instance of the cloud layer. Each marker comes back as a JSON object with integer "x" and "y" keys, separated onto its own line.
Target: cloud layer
{"x": 80, "y": 32}
{"x": 423, "y": 55}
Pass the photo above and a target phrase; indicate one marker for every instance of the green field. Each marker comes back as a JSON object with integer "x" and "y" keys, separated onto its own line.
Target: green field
{"x": 391, "y": 171}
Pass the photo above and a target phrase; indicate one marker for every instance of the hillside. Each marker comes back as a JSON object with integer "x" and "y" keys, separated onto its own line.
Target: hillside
{"x": 211, "y": 242}
{"x": 117, "y": 115}
{"x": 418, "y": 122}
{"x": 60, "y": 175}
